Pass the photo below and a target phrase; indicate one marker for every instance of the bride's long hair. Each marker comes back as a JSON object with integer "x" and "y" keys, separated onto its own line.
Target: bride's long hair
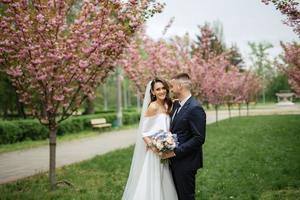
{"x": 168, "y": 99}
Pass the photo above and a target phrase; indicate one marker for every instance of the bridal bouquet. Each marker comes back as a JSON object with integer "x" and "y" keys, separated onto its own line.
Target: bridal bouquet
{"x": 164, "y": 141}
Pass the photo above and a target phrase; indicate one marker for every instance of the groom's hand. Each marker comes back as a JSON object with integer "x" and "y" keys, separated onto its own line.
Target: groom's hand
{"x": 167, "y": 155}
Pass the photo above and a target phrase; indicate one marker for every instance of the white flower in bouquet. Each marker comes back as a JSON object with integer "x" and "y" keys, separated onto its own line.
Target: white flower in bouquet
{"x": 164, "y": 141}
{"x": 170, "y": 140}
{"x": 159, "y": 145}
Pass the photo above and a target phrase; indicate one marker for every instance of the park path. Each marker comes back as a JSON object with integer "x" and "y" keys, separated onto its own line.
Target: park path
{"x": 19, "y": 164}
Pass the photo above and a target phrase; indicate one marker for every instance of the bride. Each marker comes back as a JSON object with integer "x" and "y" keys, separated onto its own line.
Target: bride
{"x": 149, "y": 179}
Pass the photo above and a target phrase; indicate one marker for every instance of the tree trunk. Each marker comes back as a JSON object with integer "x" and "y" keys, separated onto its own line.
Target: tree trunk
{"x": 206, "y": 104}
{"x": 105, "y": 97}
{"x": 264, "y": 90}
{"x": 247, "y": 108}
{"x": 5, "y": 113}
{"x": 138, "y": 101}
{"x": 20, "y": 108}
{"x": 43, "y": 111}
{"x": 229, "y": 110}
{"x": 264, "y": 96}
{"x": 119, "y": 99}
{"x": 216, "y": 108}
{"x": 52, "y": 161}
{"x": 125, "y": 98}
{"x": 129, "y": 97}
{"x": 239, "y": 105}
{"x": 90, "y": 108}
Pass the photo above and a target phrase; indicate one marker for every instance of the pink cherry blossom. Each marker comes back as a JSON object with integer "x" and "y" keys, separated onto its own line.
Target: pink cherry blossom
{"x": 290, "y": 9}
{"x": 55, "y": 65}
{"x": 292, "y": 70}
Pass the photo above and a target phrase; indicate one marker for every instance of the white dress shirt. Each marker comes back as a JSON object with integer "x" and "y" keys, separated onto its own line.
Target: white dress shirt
{"x": 183, "y": 102}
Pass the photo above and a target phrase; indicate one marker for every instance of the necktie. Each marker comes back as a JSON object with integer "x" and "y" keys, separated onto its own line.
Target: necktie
{"x": 176, "y": 111}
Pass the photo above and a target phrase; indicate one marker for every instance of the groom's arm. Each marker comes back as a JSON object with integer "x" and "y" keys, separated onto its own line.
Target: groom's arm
{"x": 197, "y": 122}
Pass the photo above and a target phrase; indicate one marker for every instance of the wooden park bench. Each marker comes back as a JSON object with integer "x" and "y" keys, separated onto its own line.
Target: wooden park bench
{"x": 100, "y": 123}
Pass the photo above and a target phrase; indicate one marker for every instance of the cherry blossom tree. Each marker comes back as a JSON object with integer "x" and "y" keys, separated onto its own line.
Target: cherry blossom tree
{"x": 251, "y": 87}
{"x": 215, "y": 78}
{"x": 208, "y": 69}
{"x": 292, "y": 58}
{"x": 231, "y": 87}
{"x": 240, "y": 82}
{"x": 145, "y": 59}
{"x": 214, "y": 84}
{"x": 289, "y": 8}
{"x": 56, "y": 61}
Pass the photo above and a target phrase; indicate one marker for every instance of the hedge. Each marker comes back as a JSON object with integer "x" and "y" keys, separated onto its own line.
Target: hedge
{"x": 19, "y": 130}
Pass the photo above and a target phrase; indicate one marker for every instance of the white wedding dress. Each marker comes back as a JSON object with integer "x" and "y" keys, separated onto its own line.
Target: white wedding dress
{"x": 149, "y": 179}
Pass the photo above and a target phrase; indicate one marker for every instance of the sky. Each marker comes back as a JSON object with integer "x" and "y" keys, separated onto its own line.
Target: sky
{"x": 243, "y": 21}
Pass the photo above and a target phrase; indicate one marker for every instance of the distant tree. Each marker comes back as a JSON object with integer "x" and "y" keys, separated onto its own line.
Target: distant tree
{"x": 250, "y": 88}
{"x": 207, "y": 43}
{"x": 235, "y": 57}
{"x": 9, "y": 104}
{"x": 279, "y": 82}
{"x": 261, "y": 63}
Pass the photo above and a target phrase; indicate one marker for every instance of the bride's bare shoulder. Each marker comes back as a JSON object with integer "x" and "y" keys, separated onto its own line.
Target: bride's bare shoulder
{"x": 152, "y": 109}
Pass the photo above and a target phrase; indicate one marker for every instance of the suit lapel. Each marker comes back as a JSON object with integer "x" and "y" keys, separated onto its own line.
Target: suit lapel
{"x": 181, "y": 112}
{"x": 175, "y": 106}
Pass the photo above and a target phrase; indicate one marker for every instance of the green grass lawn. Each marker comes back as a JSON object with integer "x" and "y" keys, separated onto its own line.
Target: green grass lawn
{"x": 252, "y": 106}
{"x": 245, "y": 158}
{"x": 63, "y": 138}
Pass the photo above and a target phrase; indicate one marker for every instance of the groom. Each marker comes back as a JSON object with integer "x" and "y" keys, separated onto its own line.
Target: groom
{"x": 188, "y": 121}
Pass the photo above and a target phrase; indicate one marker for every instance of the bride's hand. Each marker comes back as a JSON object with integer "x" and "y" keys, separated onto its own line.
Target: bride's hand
{"x": 148, "y": 143}
{"x": 167, "y": 155}
{"x": 155, "y": 150}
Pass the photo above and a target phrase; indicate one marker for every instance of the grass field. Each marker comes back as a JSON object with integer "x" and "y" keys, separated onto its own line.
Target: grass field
{"x": 245, "y": 158}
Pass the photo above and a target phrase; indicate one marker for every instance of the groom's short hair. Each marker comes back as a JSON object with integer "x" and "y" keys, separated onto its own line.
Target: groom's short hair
{"x": 182, "y": 76}
{"x": 184, "y": 79}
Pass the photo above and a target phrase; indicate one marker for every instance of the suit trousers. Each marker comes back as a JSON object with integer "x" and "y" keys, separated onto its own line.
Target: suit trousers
{"x": 185, "y": 183}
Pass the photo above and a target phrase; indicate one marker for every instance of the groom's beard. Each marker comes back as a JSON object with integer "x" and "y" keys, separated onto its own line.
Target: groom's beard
{"x": 173, "y": 96}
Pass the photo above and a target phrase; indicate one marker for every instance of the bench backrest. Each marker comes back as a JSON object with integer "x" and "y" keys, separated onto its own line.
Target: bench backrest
{"x": 98, "y": 121}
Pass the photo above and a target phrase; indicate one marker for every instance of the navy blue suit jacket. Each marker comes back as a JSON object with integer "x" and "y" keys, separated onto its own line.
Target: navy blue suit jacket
{"x": 189, "y": 124}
